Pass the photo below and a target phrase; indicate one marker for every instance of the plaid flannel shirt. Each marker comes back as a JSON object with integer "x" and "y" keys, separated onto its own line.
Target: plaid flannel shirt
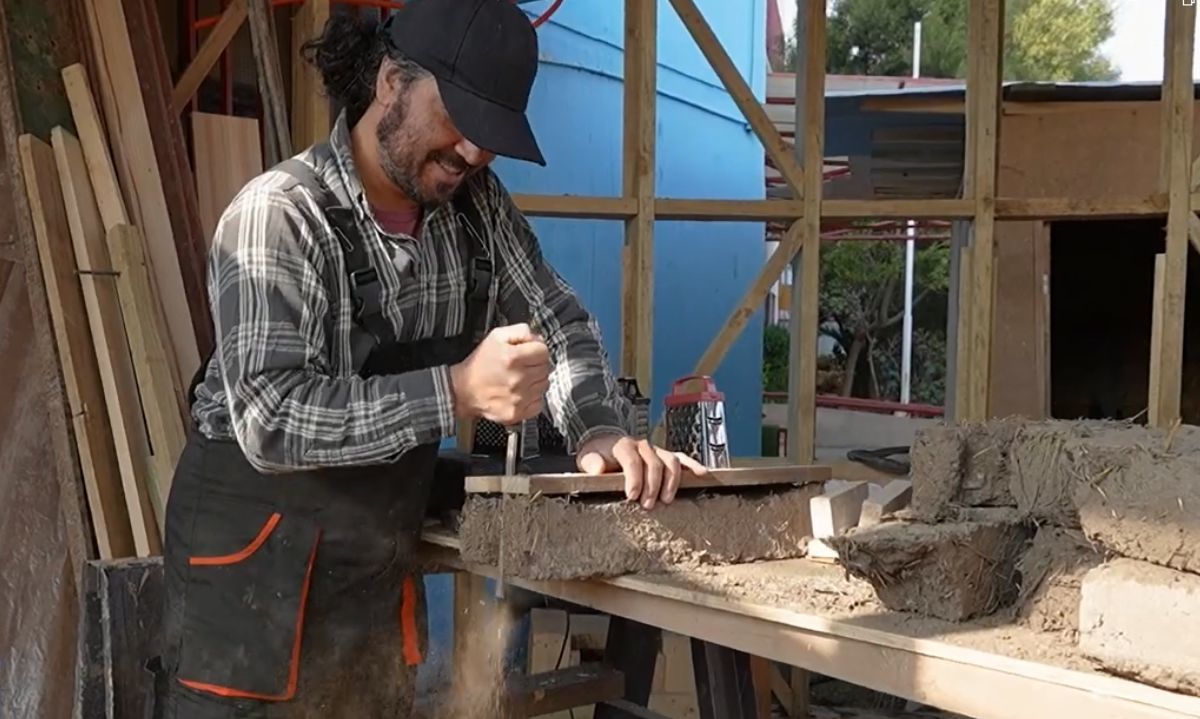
{"x": 282, "y": 381}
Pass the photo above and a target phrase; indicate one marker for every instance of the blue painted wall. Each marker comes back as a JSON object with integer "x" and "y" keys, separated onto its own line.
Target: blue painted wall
{"x": 705, "y": 150}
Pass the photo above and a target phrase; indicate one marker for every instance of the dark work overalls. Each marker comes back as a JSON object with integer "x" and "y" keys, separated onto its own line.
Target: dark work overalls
{"x": 298, "y": 595}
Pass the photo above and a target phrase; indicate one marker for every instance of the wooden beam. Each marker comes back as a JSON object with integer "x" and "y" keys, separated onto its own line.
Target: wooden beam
{"x": 206, "y": 57}
{"x": 76, "y": 352}
{"x": 1153, "y": 413}
{"x": 137, "y": 168}
{"x": 1017, "y": 209}
{"x": 930, "y": 671}
{"x": 103, "y": 310}
{"x": 638, "y": 163}
{"x": 776, "y": 148}
{"x": 806, "y": 301}
{"x": 160, "y": 405}
{"x": 581, "y": 207}
{"x": 1179, "y": 109}
{"x": 751, "y": 301}
{"x": 983, "y": 90}
{"x": 270, "y": 80}
{"x": 576, "y": 483}
{"x": 310, "y": 106}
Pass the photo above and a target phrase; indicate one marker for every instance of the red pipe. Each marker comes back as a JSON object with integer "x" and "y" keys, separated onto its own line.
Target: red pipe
{"x": 881, "y": 406}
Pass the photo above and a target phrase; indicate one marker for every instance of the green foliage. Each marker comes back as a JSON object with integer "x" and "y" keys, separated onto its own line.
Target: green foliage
{"x": 1045, "y": 40}
{"x": 775, "y": 359}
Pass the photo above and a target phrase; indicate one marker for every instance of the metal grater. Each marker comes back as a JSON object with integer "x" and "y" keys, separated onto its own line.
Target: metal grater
{"x": 695, "y": 421}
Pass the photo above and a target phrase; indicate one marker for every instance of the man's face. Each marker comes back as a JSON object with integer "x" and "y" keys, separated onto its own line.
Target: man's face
{"x": 421, "y": 151}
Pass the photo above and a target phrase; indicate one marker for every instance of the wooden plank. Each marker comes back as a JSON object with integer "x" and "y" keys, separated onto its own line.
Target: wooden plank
{"x": 575, "y": 483}
{"x": 160, "y": 405}
{"x": 560, "y": 689}
{"x": 777, "y": 150}
{"x": 832, "y": 513}
{"x": 137, "y": 167}
{"x": 175, "y": 169}
{"x": 108, "y": 336}
{"x": 1156, "y": 326}
{"x": 270, "y": 80}
{"x": 721, "y": 210}
{"x": 107, "y": 192}
{"x": 228, "y": 153}
{"x": 810, "y": 124}
{"x": 77, "y": 357}
{"x": 1178, "y": 108}
{"x": 638, "y": 164}
{"x": 983, "y": 85}
{"x": 923, "y": 670}
{"x": 207, "y": 55}
{"x": 799, "y": 681}
{"x": 310, "y": 107}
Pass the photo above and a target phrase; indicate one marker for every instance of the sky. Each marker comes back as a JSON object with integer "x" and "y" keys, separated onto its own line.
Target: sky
{"x": 1136, "y": 46}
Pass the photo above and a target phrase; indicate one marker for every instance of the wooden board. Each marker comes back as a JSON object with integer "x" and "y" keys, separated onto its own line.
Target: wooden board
{"x": 228, "y": 154}
{"x": 108, "y": 336}
{"x": 76, "y": 353}
{"x": 138, "y": 169}
{"x": 175, "y": 169}
{"x": 311, "y": 112}
{"x": 151, "y": 362}
{"x": 575, "y": 483}
{"x": 931, "y": 671}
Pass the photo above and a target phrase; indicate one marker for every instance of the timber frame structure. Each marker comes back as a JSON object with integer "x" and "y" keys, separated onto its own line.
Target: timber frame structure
{"x": 639, "y": 207}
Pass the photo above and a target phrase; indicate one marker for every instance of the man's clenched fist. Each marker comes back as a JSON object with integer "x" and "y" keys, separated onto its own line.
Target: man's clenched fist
{"x": 505, "y": 378}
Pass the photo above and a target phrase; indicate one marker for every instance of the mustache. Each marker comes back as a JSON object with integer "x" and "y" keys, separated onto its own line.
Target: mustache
{"x": 451, "y": 159}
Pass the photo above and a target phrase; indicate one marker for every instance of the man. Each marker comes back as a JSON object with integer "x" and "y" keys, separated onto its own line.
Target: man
{"x": 368, "y": 296}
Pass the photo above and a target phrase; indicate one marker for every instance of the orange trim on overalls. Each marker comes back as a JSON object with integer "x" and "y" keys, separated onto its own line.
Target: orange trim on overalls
{"x": 408, "y": 622}
{"x": 293, "y": 662}
{"x": 244, "y": 553}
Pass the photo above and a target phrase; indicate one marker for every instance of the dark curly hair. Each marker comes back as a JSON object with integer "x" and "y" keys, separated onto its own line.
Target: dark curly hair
{"x": 348, "y": 54}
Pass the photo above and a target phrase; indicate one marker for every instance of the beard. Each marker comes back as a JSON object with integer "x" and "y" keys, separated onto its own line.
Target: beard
{"x": 398, "y": 139}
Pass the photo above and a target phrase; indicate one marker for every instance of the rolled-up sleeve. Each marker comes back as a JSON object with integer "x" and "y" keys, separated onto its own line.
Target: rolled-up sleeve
{"x": 583, "y": 399}
{"x": 271, "y": 310}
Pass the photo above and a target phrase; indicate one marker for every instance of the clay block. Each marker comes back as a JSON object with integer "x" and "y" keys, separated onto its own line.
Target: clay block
{"x": 1141, "y": 502}
{"x": 937, "y": 456}
{"x": 955, "y": 571}
{"x": 1143, "y": 621}
{"x": 563, "y": 538}
{"x": 1042, "y": 480}
{"x": 1050, "y": 574}
{"x": 985, "y": 481}
{"x": 966, "y": 465}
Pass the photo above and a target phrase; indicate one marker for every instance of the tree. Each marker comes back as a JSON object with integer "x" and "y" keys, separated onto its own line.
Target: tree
{"x": 1045, "y": 40}
{"x": 862, "y": 305}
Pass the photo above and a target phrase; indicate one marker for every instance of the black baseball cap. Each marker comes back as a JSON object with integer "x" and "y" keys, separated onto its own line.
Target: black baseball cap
{"x": 484, "y": 56}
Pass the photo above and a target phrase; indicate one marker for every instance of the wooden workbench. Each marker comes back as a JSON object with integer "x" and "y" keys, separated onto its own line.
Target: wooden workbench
{"x": 943, "y": 673}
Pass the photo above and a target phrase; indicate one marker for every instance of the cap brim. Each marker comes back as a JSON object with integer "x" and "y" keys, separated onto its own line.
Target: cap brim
{"x": 492, "y": 127}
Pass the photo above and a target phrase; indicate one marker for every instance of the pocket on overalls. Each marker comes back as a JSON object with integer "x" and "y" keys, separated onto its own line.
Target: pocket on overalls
{"x": 243, "y": 613}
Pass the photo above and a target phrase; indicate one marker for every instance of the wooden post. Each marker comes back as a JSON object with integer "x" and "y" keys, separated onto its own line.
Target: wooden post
{"x": 270, "y": 80}
{"x": 1178, "y": 109}
{"x": 805, "y": 312}
{"x": 638, "y": 163}
{"x": 310, "y": 106}
{"x": 985, "y": 30}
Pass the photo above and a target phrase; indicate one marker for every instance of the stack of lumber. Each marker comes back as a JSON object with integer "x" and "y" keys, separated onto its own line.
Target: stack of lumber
{"x": 121, "y": 223}
{"x": 1088, "y": 530}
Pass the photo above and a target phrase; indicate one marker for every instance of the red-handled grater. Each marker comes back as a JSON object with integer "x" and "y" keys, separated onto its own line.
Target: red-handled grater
{"x": 695, "y": 421}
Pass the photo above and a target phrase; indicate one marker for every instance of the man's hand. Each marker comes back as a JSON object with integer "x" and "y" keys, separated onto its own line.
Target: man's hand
{"x": 651, "y": 473}
{"x": 505, "y": 378}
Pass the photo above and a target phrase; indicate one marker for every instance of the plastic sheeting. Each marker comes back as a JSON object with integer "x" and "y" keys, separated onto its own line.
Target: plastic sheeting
{"x": 39, "y": 607}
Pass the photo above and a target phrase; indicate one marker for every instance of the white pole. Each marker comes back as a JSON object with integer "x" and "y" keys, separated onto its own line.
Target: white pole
{"x": 910, "y": 251}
